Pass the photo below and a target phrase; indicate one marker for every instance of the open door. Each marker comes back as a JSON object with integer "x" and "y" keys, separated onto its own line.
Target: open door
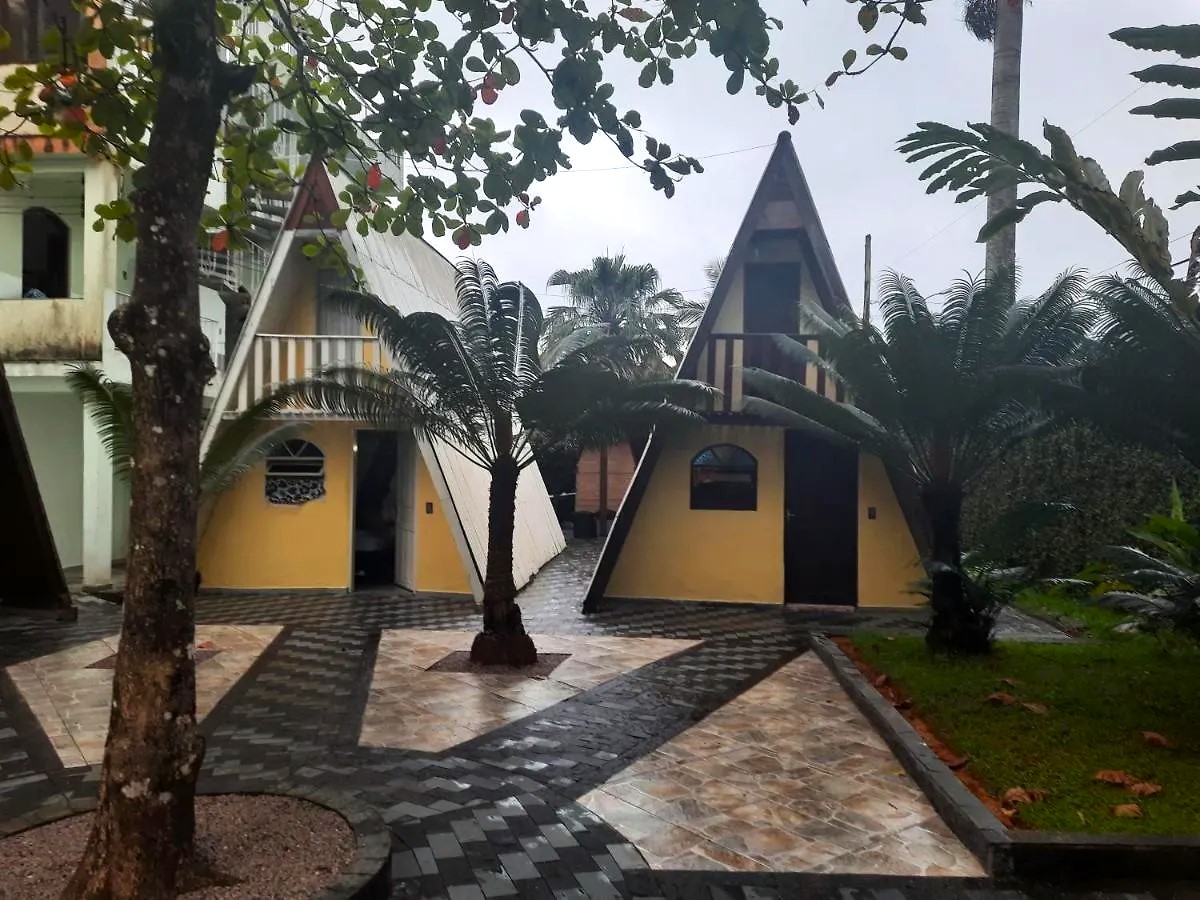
{"x": 820, "y": 527}
{"x": 375, "y": 507}
{"x": 406, "y": 525}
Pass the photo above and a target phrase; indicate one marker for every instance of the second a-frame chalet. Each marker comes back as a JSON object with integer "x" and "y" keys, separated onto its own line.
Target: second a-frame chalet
{"x": 739, "y": 510}
{"x": 344, "y": 506}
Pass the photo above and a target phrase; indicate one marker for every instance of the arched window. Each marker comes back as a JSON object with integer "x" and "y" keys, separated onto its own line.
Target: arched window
{"x": 45, "y": 254}
{"x": 295, "y": 473}
{"x": 724, "y": 477}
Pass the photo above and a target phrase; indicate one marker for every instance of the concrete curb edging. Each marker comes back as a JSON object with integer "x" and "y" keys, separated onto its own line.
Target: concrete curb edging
{"x": 1009, "y": 856}
{"x": 369, "y": 875}
{"x": 971, "y": 821}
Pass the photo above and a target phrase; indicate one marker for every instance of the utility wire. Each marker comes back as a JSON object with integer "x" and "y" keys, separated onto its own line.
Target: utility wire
{"x": 972, "y": 206}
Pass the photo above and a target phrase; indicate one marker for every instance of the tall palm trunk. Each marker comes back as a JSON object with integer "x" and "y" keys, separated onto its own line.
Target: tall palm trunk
{"x": 956, "y": 626}
{"x": 145, "y": 818}
{"x": 1006, "y": 117}
{"x": 503, "y": 640}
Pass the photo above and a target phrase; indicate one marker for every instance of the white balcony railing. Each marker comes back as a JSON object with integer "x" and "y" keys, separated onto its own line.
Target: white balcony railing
{"x": 276, "y": 359}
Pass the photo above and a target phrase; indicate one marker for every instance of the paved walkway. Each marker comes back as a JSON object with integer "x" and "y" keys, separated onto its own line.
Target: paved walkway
{"x": 503, "y": 802}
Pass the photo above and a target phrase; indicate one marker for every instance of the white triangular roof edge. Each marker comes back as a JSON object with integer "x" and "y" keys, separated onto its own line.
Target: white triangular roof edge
{"x": 402, "y": 270}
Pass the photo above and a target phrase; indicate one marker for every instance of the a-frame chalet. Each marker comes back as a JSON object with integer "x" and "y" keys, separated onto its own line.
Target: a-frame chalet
{"x": 344, "y": 506}
{"x": 739, "y": 510}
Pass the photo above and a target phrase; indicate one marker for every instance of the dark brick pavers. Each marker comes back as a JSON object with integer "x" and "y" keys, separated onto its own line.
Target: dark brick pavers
{"x": 495, "y": 816}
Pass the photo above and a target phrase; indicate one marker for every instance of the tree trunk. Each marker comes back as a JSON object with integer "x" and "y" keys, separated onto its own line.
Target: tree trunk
{"x": 145, "y": 819}
{"x": 1006, "y": 117}
{"x": 957, "y": 626}
{"x": 503, "y": 640}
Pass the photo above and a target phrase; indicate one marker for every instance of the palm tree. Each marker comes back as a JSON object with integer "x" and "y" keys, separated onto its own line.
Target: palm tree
{"x": 1002, "y": 24}
{"x": 688, "y": 312}
{"x": 939, "y": 397}
{"x": 480, "y": 386}
{"x": 240, "y": 445}
{"x": 614, "y": 298}
{"x": 1141, "y": 384}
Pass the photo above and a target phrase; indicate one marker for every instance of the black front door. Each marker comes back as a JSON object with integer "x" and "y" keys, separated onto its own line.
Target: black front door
{"x": 820, "y": 521}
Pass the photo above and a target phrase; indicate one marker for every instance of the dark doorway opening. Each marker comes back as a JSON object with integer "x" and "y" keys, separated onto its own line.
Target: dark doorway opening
{"x": 771, "y": 305}
{"x": 45, "y": 254}
{"x": 376, "y": 504}
{"x": 820, "y": 527}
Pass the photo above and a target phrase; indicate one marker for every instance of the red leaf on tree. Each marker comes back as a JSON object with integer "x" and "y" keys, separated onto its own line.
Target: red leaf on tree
{"x": 523, "y": 218}
{"x": 374, "y": 177}
{"x": 220, "y": 241}
{"x": 489, "y": 95}
{"x": 462, "y": 237}
{"x": 1114, "y": 776}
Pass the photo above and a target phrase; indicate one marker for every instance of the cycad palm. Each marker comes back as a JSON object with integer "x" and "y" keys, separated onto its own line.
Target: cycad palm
{"x": 1142, "y": 383}
{"x": 614, "y": 298}
{"x": 479, "y": 385}
{"x": 939, "y": 396}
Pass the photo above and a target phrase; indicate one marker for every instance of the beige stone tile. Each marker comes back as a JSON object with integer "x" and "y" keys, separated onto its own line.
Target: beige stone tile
{"x": 790, "y": 777}
{"x": 415, "y": 709}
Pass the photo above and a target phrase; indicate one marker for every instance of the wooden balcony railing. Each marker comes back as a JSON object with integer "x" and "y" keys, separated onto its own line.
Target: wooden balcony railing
{"x": 727, "y": 355}
{"x": 278, "y": 358}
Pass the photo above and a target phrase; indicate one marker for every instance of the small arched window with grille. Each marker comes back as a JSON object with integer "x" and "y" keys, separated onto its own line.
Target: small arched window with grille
{"x": 724, "y": 476}
{"x": 295, "y": 473}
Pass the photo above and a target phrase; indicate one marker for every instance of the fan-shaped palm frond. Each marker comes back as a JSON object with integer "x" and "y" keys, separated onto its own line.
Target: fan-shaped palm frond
{"x": 624, "y": 300}
{"x": 110, "y": 406}
{"x": 939, "y": 394}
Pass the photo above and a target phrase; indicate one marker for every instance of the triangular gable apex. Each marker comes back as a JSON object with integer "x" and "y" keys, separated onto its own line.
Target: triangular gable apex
{"x": 783, "y": 164}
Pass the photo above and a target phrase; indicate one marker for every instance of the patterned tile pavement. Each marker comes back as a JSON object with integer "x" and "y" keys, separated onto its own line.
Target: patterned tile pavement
{"x": 496, "y": 815}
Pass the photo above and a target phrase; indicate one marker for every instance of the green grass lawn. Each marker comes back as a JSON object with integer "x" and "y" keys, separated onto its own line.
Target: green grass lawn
{"x": 1100, "y": 697}
{"x": 1085, "y": 619}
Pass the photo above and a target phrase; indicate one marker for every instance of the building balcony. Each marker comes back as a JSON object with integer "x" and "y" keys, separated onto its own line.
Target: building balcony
{"x": 726, "y": 356}
{"x": 276, "y": 359}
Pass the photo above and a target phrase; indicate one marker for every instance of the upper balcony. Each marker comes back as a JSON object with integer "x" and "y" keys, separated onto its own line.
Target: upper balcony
{"x": 276, "y": 359}
{"x": 725, "y": 357}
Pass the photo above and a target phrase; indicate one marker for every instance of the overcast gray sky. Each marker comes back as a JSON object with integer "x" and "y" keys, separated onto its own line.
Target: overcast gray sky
{"x": 1074, "y": 76}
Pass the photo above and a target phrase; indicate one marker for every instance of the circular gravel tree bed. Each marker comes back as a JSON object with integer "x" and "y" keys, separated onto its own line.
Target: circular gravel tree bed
{"x": 247, "y": 846}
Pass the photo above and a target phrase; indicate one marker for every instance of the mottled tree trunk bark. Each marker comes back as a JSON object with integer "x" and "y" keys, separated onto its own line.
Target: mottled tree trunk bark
{"x": 144, "y": 823}
{"x": 503, "y": 640}
{"x": 1006, "y": 116}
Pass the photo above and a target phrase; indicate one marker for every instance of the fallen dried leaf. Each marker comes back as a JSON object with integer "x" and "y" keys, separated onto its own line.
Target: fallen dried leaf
{"x": 1114, "y": 776}
{"x": 1145, "y": 789}
{"x": 204, "y": 645}
{"x": 1127, "y": 811}
{"x": 1000, "y": 698}
{"x": 903, "y": 703}
{"x": 1014, "y": 796}
{"x": 1038, "y": 708}
{"x": 1154, "y": 739}
{"x": 1011, "y": 682}
{"x": 1007, "y": 813}
{"x": 881, "y": 681}
{"x": 957, "y": 762}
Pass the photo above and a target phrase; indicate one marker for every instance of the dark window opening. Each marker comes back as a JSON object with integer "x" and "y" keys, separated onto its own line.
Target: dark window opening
{"x": 45, "y": 254}
{"x": 295, "y": 473}
{"x": 32, "y": 24}
{"x": 724, "y": 477}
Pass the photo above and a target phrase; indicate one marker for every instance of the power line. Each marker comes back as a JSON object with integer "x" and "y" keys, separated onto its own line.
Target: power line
{"x": 971, "y": 206}
{"x": 631, "y": 167}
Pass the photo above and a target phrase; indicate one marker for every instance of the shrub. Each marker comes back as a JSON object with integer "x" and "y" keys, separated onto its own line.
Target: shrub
{"x": 1111, "y": 485}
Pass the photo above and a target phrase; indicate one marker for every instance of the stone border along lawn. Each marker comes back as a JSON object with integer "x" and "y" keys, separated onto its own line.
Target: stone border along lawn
{"x": 1098, "y": 698}
{"x": 367, "y": 877}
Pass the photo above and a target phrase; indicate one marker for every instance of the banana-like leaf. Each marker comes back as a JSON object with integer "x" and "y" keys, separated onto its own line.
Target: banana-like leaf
{"x": 1176, "y": 76}
{"x": 1184, "y": 150}
{"x": 1171, "y": 108}
{"x": 1181, "y": 39}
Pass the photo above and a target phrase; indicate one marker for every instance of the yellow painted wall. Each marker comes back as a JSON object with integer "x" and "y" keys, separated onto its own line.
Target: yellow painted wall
{"x": 673, "y": 551}
{"x": 252, "y": 544}
{"x": 888, "y": 559}
{"x": 439, "y": 567}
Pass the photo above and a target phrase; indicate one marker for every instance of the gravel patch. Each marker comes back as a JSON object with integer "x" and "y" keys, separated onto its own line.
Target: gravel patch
{"x": 253, "y": 847}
